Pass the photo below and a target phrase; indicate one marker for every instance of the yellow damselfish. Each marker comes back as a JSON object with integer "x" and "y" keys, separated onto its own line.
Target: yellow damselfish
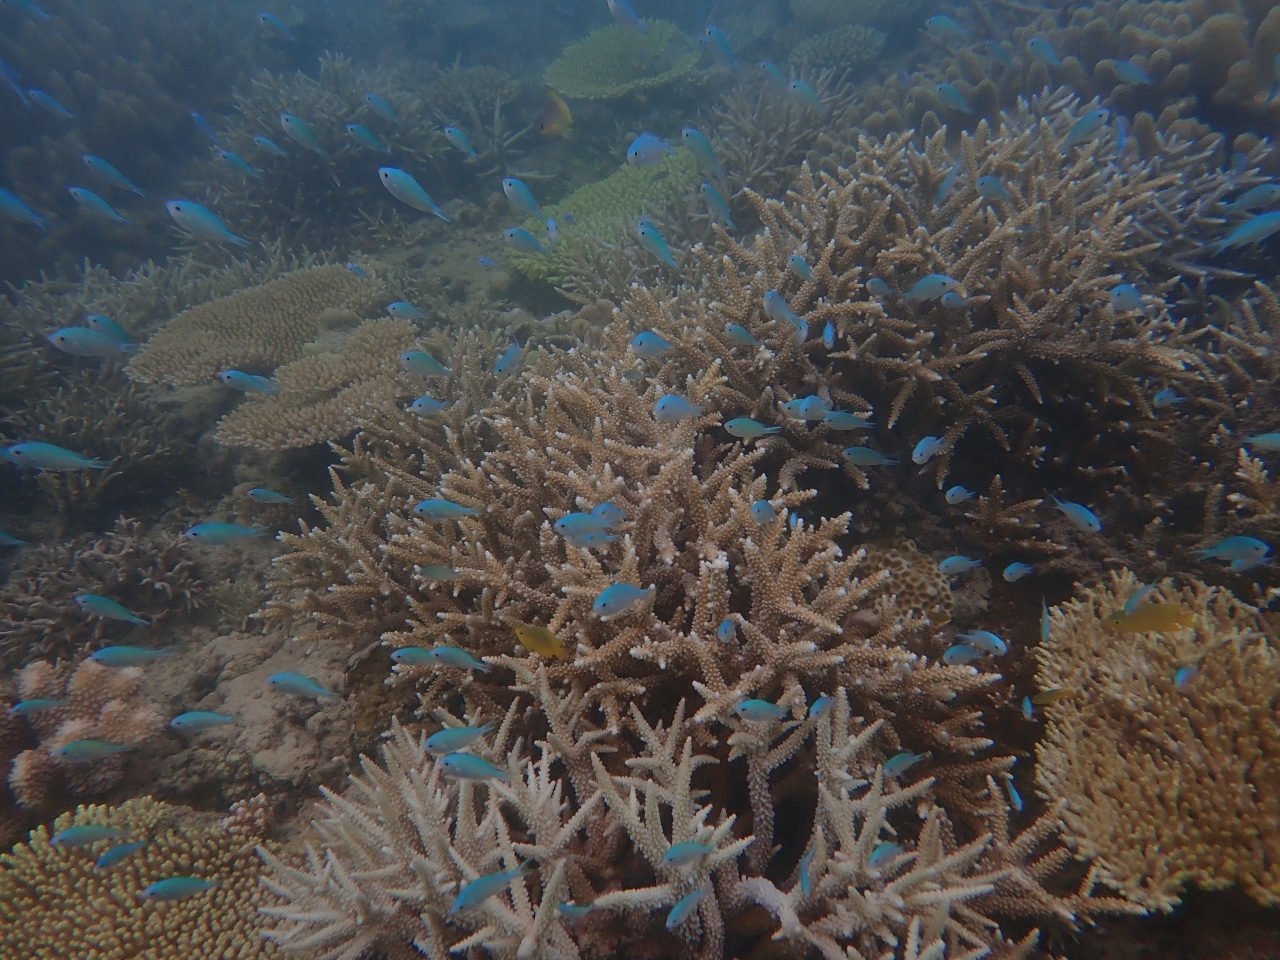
{"x": 1046, "y": 697}
{"x": 557, "y": 121}
{"x": 540, "y": 640}
{"x": 1153, "y": 618}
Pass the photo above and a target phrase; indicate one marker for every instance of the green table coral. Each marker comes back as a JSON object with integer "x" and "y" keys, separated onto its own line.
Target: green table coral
{"x": 605, "y": 212}
{"x": 618, "y": 61}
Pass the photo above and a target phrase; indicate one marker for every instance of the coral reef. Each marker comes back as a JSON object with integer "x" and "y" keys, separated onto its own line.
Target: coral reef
{"x": 847, "y": 48}
{"x": 54, "y": 903}
{"x": 255, "y": 330}
{"x": 619, "y": 61}
{"x": 150, "y": 573}
{"x": 327, "y": 395}
{"x": 1168, "y": 781}
{"x": 97, "y": 703}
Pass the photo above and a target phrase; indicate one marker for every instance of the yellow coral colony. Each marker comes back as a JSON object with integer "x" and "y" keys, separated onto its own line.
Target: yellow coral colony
{"x": 1166, "y": 784}
{"x": 54, "y": 903}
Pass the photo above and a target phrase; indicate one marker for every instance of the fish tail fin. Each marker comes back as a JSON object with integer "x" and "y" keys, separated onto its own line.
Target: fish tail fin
{"x": 259, "y": 531}
{"x": 487, "y": 728}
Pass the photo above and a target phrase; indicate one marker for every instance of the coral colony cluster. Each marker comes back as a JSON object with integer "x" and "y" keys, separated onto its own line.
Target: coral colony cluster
{"x": 838, "y": 525}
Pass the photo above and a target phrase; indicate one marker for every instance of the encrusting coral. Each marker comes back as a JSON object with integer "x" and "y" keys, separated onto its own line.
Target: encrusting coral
{"x": 618, "y": 61}
{"x": 1164, "y": 750}
{"x": 150, "y": 573}
{"x": 255, "y": 330}
{"x": 327, "y": 395}
{"x": 54, "y": 903}
{"x": 96, "y": 703}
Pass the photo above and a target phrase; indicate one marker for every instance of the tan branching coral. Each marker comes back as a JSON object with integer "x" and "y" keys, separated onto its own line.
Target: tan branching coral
{"x": 327, "y": 395}
{"x": 1033, "y": 272}
{"x": 1168, "y": 781}
{"x": 149, "y": 573}
{"x": 257, "y": 329}
{"x": 54, "y": 903}
{"x": 98, "y": 703}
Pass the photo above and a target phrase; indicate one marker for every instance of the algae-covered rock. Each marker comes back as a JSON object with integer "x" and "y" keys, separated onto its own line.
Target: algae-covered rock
{"x": 617, "y": 61}
{"x": 605, "y": 212}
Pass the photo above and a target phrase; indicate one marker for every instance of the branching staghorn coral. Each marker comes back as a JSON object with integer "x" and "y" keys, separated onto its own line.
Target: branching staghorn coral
{"x": 384, "y": 862}
{"x": 256, "y": 329}
{"x": 151, "y": 574}
{"x": 326, "y": 395}
{"x": 1034, "y": 271}
{"x": 98, "y": 703}
{"x": 1169, "y": 780}
{"x": 55, "y": 903}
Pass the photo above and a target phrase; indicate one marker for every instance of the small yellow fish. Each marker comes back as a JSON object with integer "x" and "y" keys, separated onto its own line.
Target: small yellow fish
{"x": 557, "y": 121}
{"x": 1152, "y": 618}
{"x": 1046, "y": 697}
{"x": 541, "y": 641}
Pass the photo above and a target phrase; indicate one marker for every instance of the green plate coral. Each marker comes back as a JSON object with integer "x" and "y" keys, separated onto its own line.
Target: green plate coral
{"x": 618, "y": 61}
{"x": 605, "y": 212}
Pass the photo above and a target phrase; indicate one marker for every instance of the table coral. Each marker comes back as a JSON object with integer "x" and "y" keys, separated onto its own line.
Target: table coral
{"x": 54, "y": 903}
{"x": 618, "y": 61}
{"x": 256, "y": 329}
{"x": 101, "y": 703}
{"x": 327, "y": 395}
{"x": 1165, "y": 784}
{"x": 598, "y": 254}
